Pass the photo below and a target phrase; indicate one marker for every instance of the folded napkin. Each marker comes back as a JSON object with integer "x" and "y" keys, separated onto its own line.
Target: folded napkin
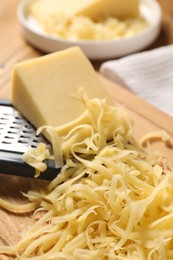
{"x": 148, "y": 74}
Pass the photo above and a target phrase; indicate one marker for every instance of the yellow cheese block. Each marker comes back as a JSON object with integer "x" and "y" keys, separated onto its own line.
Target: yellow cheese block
{"x": 42, "y": 88}
{"x": 94, "y": 9}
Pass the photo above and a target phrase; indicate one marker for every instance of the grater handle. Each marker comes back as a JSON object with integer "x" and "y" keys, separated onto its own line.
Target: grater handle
{"x": 15, "y": 166}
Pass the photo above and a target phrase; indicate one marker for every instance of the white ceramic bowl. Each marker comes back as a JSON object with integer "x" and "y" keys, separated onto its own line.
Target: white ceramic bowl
{"x": 94, "y": 49}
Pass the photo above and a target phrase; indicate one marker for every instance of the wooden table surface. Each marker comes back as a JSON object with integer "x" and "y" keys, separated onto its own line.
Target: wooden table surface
{"x": 14, "y": 48}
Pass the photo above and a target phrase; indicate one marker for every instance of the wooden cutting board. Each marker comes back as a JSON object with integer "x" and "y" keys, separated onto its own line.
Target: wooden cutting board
{"x": 146, "y": 119}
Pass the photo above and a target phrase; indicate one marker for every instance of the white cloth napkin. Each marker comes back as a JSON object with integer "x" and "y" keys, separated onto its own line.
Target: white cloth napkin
{"x": 148, "y": 74}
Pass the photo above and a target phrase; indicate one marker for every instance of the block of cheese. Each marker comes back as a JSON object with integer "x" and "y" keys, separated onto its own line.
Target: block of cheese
{"x": 94, "y": 9}
{"x": 42, "y": 87}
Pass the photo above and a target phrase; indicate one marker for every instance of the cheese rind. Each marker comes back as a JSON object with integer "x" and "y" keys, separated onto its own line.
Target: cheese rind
{"x": 94, "y": 9}
{"x": 42, "y": 88}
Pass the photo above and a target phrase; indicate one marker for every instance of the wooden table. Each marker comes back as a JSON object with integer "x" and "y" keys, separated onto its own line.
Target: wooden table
{"x": 14, "y": 48}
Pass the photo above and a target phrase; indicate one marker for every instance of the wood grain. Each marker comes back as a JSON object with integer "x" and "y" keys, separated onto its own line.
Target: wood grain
{"x": 14, "y": 48}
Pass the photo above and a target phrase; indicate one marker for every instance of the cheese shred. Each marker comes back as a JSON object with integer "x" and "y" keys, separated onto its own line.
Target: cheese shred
{"x": 83, "y": 28}
{"x": 111, "y": 200}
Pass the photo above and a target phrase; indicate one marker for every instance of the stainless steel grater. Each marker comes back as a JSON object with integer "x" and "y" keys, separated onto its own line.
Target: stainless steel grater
{"x": 16, "y": 136}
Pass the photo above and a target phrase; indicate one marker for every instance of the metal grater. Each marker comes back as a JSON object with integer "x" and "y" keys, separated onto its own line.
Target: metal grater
{"x": 16, "y": 136}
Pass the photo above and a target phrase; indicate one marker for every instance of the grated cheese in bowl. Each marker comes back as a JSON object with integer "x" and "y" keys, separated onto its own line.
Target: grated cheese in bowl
{"x": 83, "y": 28}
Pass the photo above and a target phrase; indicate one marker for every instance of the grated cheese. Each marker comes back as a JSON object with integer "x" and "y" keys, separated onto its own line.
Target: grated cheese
{"x": 83, "y": 28}
{"x": 112, "y": 199}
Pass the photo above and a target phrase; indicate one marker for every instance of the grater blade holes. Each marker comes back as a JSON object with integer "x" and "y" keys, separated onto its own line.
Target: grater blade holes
{"x": 22, "y": 142}
{"x": 6, "y": 142}
{"x": 4, "y": 119}
{"x": 13, "y": 131}
{"x": 27, "y": 131}
{"x": 14, "y": 128}
{"x": 9, "y": 137}
{"x": 25, "y": 136}
{"x": 16, "y": 133}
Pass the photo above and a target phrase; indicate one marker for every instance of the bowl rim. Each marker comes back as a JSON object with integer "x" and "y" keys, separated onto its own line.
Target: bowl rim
{"x": 23, "y": 20}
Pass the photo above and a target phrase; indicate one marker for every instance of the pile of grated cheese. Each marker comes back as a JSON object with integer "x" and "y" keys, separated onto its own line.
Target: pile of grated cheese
{"x": 113, "y": 199}
{"x": 83, "y": 28}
